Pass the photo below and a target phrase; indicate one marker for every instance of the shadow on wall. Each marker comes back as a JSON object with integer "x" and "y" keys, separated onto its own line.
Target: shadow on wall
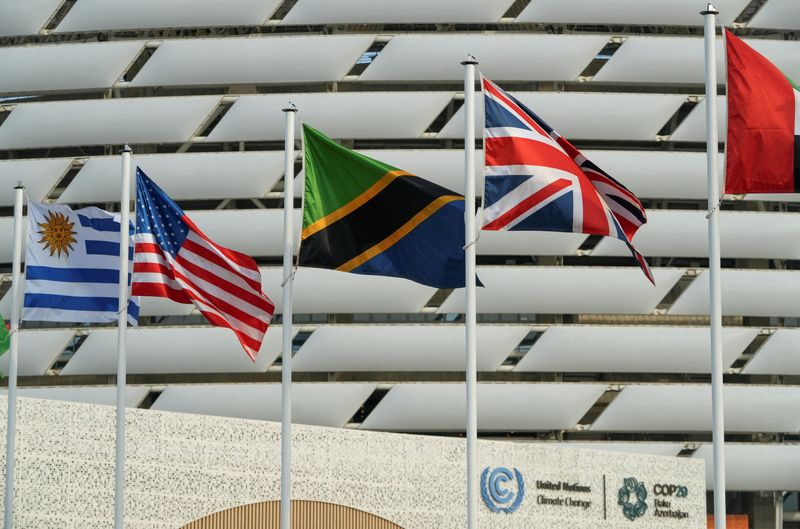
{"x": 305, "y": 515}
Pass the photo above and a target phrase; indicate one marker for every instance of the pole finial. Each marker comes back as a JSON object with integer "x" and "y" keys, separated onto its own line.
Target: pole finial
{"x": 291, "y": 108}
{"x": 470, "y": 60}
{"x": 710, "y": 10}
{"x": 126, "y": 148}
{"x": 19, "y": 185}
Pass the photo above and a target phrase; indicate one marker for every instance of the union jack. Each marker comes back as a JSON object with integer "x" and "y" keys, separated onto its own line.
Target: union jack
{"x": 538, "y": 181}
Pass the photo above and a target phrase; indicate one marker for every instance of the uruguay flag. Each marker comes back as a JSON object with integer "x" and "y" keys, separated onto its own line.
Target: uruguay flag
{"x": 72, "y": 265}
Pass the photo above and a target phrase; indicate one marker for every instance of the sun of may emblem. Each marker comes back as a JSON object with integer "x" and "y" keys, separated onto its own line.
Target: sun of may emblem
{"x": 57, "y": 234}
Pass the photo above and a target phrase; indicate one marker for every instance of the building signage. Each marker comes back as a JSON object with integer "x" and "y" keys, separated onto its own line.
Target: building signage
{"x": 496, "y": 489}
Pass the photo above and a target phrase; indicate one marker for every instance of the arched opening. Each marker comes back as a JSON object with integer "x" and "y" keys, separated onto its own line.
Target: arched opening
{"x": 305, "y": 515}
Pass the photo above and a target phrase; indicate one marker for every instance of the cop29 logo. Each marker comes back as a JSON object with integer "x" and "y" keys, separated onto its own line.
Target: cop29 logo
{"x": 631, "y": 498}
{"x": 495, "y": 490}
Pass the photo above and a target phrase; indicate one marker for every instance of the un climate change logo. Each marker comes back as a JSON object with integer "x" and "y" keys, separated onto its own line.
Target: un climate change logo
{"x": 496, "y": 495}
{"x": 631, "y": 497}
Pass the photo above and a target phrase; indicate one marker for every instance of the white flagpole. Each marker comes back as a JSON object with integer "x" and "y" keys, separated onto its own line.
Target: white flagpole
{"x": 122, "y": 327}
{"x": 714, "y": 266}
{"x": 288, "y": 280}
{"x": 471, "y": 307}
{"x": 11, "y": 425}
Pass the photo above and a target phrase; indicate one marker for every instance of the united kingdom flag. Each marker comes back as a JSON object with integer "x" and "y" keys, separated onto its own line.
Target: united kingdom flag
{"x": 537, "y": 181}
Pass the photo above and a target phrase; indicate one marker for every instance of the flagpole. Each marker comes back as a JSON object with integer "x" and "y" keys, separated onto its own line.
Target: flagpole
{"x": 122, "y": 327}
{"x": 471, "y": 307}
{"x": 714, "y": 266}
{"x": 288, "y": 280}
{"x": 11, "y": 425}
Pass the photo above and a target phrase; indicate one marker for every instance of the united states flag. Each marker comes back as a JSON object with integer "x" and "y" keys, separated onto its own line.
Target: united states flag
{"x": 537, "y": 180}
{"x": 175, "y": 260}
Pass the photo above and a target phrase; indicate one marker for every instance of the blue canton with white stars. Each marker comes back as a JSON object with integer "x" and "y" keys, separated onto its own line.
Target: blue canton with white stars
{"x": 156, "y": 213}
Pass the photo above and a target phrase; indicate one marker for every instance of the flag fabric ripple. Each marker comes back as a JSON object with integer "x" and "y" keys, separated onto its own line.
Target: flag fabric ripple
{"x": 72, "y": 266}
{"x": 537, "y": 180}
{"x": 175, "y": 260}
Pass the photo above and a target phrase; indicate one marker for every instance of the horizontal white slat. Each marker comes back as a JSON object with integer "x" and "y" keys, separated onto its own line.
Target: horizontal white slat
{"x": 89, "y": 15}
{"x": 38, "y": 349}
{"x": 779, "y": 14}
{"x": 339, "y": 115}
{"x": 777, "y": 356}
{"x": 654, "y": 12}
{"x": 106, "y": 395}
{"x": 403, "y": 348}
{"x": 442, "y": 407}
{"x": 637, "y": 349}
{"x": 587, "y": 115}
{"x": 189, "y": 176}
{"x": 355, "y": 11}
{"x": 65, "y": 66}
{"x": 567, "y": 58}
{"x": 693, "y": 128}
{"x": 301, "y": 59}
{"x": 759, "y": 467}
{"x": 687, "y": 408}
{"x": 317, "y": 404}
{"x": 566, "y": 290}
{"x": 25, "y": 18}
{"x": 685, "y": 234}
{"x": 682, "y": 60}
{"x": 38, "y": 176}
{"x": 318, "y": 290}
{"x": 745, "y": 293}
{"x": 105, "y": 121}
{"x": 173, "y": 350}
{"x": 656, "y": 174}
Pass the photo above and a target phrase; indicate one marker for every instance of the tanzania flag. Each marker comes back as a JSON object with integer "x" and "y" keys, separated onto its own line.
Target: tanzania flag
{"x": 4, "y": 338}
{"x": 366, "y": 217}
{"x": 762, "y": 146}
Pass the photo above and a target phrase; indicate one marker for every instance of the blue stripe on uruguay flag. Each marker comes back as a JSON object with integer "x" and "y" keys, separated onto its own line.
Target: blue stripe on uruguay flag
{"x": 72, "y": 265}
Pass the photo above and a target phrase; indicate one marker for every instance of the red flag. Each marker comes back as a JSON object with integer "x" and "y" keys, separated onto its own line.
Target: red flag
{"x": 762, "y": 145}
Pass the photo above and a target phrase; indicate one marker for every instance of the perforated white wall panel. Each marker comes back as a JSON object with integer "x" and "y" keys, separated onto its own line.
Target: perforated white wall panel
{"x": 566, "y": 290}
{"x": 105, "y": 121}
{"x": 106, "y": 395}
{"x": 347, "y": 11}
{"x": 318, "y": 404}
{"x": 87, "y": 15}
{"x": 253, "y": 60}
{"x": 400, "y": 59}
{"x": 755, "y": 466}
{"x": 675, "y": 407}
{"x": 7, "y": 239}
{"x": 579, "y": 115}
{"x": 187, "y": 176}
{"x": 439, "y": 407}
{"x": 25, "y": 18}
{"x": 781, "y": 14}
{"x": 637, "y": 349}
{"x": 745, "y": 293}
{"x": 369, "y": 115}
{"x": 652, "y": 448}
{"x": 404, "y": 348}
{"x": 65, "y": 66}
{"x": 685, "y": 234}
{"x": 778, "y": 355}
{"x": 38, "y": 349}
{"x": 38, "y": 177}
{"x": 682, "y": 60}
{"x": 656, "y": 12}
{"x": 173, "y": 350}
